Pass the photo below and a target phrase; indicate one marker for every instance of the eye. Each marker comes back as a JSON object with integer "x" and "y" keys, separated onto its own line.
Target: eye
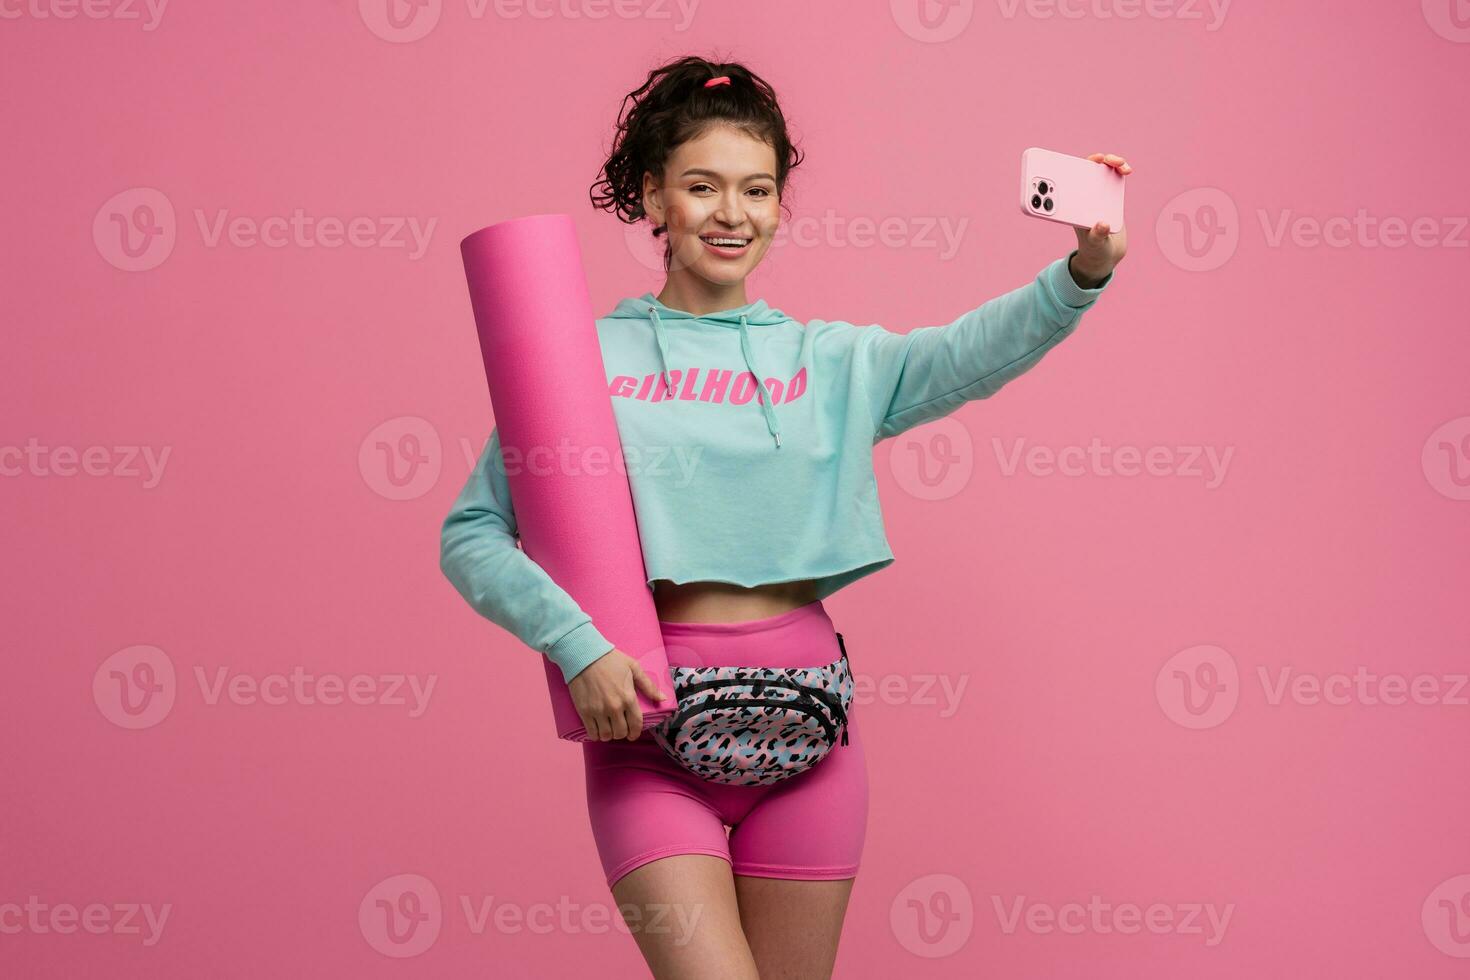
{"x": 696, "y": 187}
{"x": 762, "y": 191}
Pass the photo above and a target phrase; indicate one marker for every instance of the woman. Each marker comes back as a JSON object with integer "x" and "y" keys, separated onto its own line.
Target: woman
{"x": 748, "y": 438}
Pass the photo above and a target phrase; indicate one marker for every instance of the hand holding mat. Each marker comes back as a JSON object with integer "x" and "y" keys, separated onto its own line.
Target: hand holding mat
{"x": 548, "y": 390}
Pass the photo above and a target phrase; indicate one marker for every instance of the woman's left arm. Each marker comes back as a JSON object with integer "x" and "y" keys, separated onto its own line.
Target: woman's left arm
{"x": 929, "y": 372}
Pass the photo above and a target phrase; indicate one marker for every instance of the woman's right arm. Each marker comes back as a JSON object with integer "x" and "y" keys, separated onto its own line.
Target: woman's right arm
{"x": 478, "y": 554}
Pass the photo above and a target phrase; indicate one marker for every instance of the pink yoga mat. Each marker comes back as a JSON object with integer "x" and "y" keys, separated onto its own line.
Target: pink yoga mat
{"x": 548, "y": 389}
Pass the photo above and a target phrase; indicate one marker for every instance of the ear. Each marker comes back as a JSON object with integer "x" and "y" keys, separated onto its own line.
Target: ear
{"x": 653, "y": 204}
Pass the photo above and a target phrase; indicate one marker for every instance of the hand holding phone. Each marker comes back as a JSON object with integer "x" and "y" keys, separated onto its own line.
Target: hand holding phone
{"x": 1070, "y": 190}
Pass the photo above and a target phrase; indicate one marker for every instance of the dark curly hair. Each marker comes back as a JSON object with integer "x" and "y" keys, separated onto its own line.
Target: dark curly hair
{"x": 672, "y": 107}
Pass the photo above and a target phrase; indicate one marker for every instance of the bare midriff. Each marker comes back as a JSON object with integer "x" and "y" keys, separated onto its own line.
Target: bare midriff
{"x": 725, "y": 602}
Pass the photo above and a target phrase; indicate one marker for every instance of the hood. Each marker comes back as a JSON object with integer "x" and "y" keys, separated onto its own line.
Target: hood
{"x": 741, "y": 318}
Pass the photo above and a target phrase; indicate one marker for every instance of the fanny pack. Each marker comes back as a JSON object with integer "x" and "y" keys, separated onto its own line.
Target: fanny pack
{"x": 752, "y": 726}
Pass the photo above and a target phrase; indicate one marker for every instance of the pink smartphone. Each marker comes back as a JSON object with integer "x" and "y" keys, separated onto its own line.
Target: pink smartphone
{"x": 1073, "y": 190}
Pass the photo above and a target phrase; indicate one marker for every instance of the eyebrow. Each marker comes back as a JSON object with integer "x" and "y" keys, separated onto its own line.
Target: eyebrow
{"x": 711, "y": 173}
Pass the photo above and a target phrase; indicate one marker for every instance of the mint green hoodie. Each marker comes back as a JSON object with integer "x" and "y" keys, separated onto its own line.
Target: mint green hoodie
{"x": 730, "y": 486}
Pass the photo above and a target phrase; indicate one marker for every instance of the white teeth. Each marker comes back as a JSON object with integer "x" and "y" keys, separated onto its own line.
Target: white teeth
{"x": 736, "y": 242}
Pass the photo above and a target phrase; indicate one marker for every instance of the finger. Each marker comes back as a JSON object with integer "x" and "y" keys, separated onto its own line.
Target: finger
{"x": 645, "y": 683}
{"x": 618, "y": 724}
{"x": 594, "y": 729}
{"x": 1114, "y": 161}
{"x": 634, "y": 718}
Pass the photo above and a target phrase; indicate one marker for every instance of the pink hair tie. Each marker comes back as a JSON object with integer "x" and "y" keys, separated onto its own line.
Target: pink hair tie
{"x": 721, "y": 80}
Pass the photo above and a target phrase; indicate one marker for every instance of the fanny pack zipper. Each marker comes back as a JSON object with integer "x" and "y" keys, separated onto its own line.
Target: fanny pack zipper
{"x": 712, "y": 705}
{"x": 832, "y": 701}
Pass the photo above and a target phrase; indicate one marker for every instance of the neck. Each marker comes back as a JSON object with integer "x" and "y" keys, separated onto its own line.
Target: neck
{"x": 692, "y": 294}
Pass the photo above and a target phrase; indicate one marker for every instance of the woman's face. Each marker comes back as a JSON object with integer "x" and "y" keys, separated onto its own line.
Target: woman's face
{"x": 721, "y": 185}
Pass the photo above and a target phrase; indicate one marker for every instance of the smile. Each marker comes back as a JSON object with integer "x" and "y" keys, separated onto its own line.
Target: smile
{"x": 726, "y": 246}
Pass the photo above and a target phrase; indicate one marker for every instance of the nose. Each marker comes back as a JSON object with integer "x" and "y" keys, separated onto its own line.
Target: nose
{"x": 731, "y": 210}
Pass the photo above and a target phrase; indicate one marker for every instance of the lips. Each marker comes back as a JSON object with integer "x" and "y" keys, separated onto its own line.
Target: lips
{"x": 725, "y": 246}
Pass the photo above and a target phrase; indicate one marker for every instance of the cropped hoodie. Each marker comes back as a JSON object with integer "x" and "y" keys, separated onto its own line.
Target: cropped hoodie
{"x": 748, "y": 439}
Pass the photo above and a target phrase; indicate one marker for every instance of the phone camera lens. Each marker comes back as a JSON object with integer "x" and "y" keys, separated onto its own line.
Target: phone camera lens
{"x": 1041, "y": 187}
{"x": 1036, "y": 200}
{"x": 1046, "y": 204}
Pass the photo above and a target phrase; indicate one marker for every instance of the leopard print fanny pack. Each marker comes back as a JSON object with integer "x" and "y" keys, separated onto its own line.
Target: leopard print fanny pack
{"x": 753, "y": 726}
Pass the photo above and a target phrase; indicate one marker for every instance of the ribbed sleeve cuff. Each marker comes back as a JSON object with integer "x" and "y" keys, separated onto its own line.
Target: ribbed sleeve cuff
{"x": 1059, "y": 277}
{"x": 577, "y": 649}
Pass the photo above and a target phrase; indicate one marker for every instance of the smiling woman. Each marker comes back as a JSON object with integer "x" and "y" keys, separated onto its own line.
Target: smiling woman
{"x": 777, "y": 510}
{"x": 720, "y": 219}
{"x": 702, "y": 153}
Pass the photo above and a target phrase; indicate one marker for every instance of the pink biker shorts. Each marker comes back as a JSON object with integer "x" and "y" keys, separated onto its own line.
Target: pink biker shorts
{"x": 644, "y": 806}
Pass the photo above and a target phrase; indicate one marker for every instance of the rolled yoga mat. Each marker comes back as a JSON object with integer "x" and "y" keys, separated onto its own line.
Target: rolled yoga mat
{"x": 548, "y": 389}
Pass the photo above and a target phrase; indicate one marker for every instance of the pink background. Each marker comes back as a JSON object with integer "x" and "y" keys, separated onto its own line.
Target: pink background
{"x": 321, "y": 405}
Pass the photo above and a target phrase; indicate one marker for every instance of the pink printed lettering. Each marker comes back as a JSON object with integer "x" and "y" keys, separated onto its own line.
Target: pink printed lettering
{"x": 716, "y": 383}
{"x": 717, "y": 386}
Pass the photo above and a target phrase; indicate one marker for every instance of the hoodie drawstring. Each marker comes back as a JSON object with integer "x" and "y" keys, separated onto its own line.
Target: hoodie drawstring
{"x": 663, "y": 351}
{"x": 773, "y": 424}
